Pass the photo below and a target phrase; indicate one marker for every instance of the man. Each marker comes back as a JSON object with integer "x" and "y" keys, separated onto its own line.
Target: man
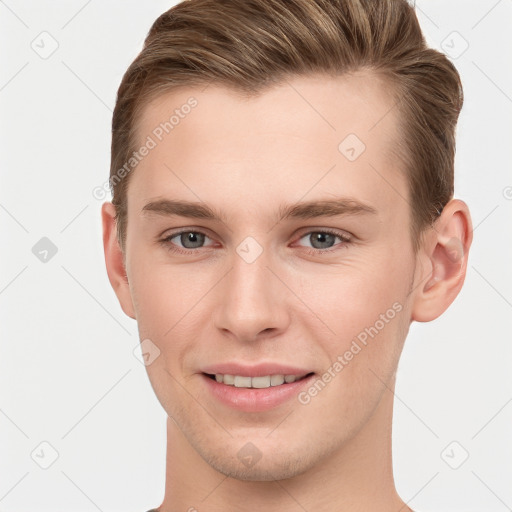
{"x": 282, "y": 176}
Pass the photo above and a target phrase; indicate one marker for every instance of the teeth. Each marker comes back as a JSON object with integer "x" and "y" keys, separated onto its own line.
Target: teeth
{"x": 260, "y": 382}
{"x": 266, "y": 381}
{"x": 228, "y": 379}
{"x": 276, "y": 380}
{"x": 242, "y": 382}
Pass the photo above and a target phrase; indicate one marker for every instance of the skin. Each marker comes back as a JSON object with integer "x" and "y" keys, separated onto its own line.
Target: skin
{"x": 245, "y": 157}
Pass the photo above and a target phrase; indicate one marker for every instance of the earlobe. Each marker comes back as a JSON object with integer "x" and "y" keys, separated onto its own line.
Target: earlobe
{"x": 114, "y": 260}
{"x": 446, "y": 250}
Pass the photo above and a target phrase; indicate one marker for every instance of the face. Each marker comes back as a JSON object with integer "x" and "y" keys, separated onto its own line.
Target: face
{"x": 267, "y": 237}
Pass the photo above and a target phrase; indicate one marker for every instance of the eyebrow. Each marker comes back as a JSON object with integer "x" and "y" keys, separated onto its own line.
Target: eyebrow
{"x": 301, "y": 210}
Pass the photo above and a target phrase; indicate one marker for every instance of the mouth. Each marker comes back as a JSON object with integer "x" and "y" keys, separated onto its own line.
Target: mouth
{"x": 257, "y": 387}
{"x": 260, "y": 382}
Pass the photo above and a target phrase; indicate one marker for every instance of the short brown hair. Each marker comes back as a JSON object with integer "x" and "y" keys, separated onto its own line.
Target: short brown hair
{"x": 248, "y": 45}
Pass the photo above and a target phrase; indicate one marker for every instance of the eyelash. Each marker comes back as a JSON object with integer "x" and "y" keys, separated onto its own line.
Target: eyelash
{"x": 345, "y": 240}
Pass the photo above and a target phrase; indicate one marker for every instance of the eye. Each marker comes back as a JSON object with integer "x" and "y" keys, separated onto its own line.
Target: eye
{"x": 188, "y": 240}
{"x": 325, "y": 240}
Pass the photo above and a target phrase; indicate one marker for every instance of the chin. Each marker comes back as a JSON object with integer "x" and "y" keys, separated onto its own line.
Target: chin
{"x": 266, "y": 468}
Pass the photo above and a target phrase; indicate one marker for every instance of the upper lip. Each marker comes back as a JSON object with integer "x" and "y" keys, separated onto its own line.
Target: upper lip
{"x": 258, "y": 370}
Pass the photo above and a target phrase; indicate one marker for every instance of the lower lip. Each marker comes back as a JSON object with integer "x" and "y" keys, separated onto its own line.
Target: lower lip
{"x": 252, "y": 399}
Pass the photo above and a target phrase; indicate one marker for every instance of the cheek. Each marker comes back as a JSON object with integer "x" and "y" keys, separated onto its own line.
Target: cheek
{"x": 365, "y": 308}
{"x": 357, "y": 297}
{"x": 369, "y": 318}
{"x": 165, "y": 293}
{"x": 168, "y": 302}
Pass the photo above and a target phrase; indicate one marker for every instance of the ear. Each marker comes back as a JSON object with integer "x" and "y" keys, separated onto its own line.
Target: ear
{"x": 444, "y": 255}
{"x": 114, "y": 259}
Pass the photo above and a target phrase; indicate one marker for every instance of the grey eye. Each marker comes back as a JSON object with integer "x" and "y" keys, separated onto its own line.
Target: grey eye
{"x": 322, "y": 240}
{"x": 191, "y": 239}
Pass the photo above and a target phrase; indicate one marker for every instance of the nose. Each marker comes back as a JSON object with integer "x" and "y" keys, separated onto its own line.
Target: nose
{"x": 252, "y": 302}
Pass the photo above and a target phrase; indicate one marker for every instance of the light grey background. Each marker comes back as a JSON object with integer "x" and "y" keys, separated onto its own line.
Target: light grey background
{"x": 68, "y": 373}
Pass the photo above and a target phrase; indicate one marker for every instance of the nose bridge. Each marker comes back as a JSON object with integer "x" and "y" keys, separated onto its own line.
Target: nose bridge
{"x": 250, "y": 274}
{"x": 251, "y": 298}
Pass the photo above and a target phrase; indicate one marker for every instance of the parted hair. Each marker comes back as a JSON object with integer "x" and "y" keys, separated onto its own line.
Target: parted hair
{"x": 249, "y": 45}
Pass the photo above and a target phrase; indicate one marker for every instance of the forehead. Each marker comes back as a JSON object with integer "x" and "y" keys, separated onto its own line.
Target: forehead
{"x": 306, "y": 135}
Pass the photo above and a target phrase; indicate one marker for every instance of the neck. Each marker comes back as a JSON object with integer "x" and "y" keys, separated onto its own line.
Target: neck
{"x": 357, "y": 477}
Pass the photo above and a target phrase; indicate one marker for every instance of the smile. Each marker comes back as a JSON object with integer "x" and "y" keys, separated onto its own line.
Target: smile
{"x": 258, "y": 393}
{"x": 265, "y": 381}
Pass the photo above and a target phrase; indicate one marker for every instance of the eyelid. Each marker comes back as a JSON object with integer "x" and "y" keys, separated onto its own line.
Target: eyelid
{"x": 168, "y": 233}
{"x": 343, "y": 235}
